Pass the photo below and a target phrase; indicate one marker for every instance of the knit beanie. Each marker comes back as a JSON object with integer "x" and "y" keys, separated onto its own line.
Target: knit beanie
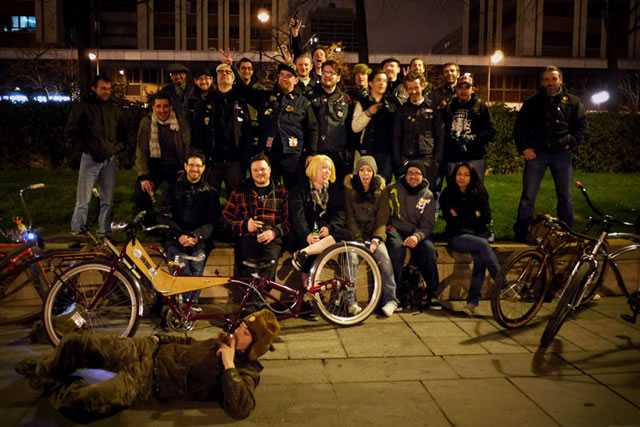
{"x": 369, "y": 161}
{"x": 264, "y": 327}
{"x": 417, "y": 164}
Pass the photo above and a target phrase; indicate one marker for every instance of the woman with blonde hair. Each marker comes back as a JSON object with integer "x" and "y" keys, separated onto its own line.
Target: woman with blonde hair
{"x": 316, "y": 211}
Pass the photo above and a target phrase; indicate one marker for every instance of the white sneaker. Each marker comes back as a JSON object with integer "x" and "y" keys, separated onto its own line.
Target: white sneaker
{"x": 389, "y": 308}
{"x": 470, "y": 309}
{"x": 354, "y": 309}
{"x": 596, "y": 297}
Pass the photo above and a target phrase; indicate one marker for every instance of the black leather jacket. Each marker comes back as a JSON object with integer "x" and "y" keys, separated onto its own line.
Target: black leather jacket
{"x": 334, "y": 114}
{"x": 418, "y": 131}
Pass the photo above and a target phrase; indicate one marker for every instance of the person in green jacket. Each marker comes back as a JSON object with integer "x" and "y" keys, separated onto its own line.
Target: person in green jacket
{"x": 225, "y": 370}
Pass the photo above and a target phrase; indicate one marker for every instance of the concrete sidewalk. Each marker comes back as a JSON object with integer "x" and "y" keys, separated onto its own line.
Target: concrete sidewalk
{"x": 412, "y": 369}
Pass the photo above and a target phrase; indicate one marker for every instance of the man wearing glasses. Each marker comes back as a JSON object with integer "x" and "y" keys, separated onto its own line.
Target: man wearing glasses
{"x": 190, "y": 207}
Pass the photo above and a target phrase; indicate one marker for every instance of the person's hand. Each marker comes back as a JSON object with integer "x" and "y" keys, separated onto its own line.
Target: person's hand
{"x": 288, "y": 58}
{"x": 323, "y": 232}
{"x": 453, "y": 212}
{"x": 266, "y": 237}
{"x": 294, "y": 26}
{"x": 155, "y": 339}
{"x": 226, "y": 56}
{"x": 529, "y": 154}
{"x": 312, "y": 238}
{"x": 253, "y": 225}
{"x": 373, "y": 246}
{"x": 406, "y": 70}
{"x": 478, "y": 213}
{"x": 227, "y": 353}
{"x": 147, "y": 186}
{"x": 373, "y": 109}
{"x": 307, "y": 160}
{"x": 410, "y": 242}
{"x": 187, "y": 241}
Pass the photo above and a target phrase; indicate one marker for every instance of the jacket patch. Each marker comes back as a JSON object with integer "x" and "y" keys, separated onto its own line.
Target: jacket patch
{"x": 422, "y": 203}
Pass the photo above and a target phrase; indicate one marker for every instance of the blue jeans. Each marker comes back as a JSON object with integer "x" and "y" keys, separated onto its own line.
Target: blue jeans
{"x": 90, "y": 172}
{"x": 381, "y": 255}
{"x": 560, "y": 165}
{"x": 424, "y": 255}
{"x": 483, "y": 259}
{"x": 191, "y": 268}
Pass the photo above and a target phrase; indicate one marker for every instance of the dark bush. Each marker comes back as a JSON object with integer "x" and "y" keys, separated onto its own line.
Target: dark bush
{"x": 31, "y": 136}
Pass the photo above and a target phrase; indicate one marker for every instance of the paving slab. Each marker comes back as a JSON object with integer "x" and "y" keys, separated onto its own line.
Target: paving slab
{"x": 627, "y": 385}
{"x": 314, "y": 349}
{"x": 579, "y": 400}
{"x": 453, "y": 345}
{"x": 388, "y": 369}
{"x": 509, "y": 365}
{"x": 584, "y": 338}
{"x": 293, "y": 372}
{"x": 425, "y": 316}
{"x": 382, "y": 340}
{"x": 491, "y": 338}
{"x": 405, "y": 404}
{"x": 605, "y": 362}
{"x": 437, "y": 329}
{"x": 486, "y": 402}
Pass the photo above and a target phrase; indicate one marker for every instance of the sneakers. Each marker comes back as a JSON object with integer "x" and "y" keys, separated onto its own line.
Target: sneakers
{"x": 299, "y": 259}
{"x": 389, "y": 308}
{"x": 308, "y": 312}
{"x": 596, "y": 297}
{"x": 469, "y": 309}
{"x": 434, "y": 304}
{"x": 354, "y": 309}
{"x": 196, "y": 309}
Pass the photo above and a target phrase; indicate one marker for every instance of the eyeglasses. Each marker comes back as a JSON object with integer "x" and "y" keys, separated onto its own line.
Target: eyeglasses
{"x": 414, "y": 173}
{"x": 329, "y": 73}
{"x": 191, "y": 165}
{"x": 204, "y": 78}
{"x": 225, "y": 72}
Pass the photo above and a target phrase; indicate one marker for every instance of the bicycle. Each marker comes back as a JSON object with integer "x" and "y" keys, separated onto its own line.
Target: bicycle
{"x": 530, "y": 277}
{"x": 105, "y": 294}
{"x": 583, "y": 273}
{"x": 25, "y": 265}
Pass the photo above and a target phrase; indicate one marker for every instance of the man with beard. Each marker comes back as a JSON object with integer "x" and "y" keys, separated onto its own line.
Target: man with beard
{"x": 332, "y": 108}
{"x": 549, "y": 125}
{"x": 200, "y": 113}
{"x": 257, "y": 213}
{"x": 443, "y": 94}
{"x": 180, "y": 88}
{"x": 418, "y": 130}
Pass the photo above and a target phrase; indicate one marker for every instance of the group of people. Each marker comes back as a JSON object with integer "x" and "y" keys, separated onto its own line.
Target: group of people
{"x": 325, "y": 164}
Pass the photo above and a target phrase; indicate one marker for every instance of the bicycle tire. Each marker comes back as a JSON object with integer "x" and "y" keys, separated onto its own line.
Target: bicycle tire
{"x": 346, "y": 261}
{"x": 21, "y": 294}
{"x": 68, "y": 306}
{"x": 520, "y": 288}
{"x": 593, "y": 286}
{"x": 566, "y": 304}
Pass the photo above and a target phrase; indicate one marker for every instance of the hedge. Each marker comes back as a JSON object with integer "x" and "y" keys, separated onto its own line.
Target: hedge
{"x": 31, "y": 136}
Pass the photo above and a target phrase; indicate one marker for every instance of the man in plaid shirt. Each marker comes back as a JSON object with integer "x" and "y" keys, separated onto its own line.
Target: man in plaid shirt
{"x": 257, "y": 213}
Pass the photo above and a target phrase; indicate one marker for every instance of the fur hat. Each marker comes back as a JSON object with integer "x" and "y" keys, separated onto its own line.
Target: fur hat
{"x": 264, "y": 327}
{"x": 417, "y": 164}
{"x": 369, "y": 161}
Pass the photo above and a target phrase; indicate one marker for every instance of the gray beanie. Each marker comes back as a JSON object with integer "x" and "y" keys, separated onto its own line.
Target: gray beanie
{"x": 369, "y": 161}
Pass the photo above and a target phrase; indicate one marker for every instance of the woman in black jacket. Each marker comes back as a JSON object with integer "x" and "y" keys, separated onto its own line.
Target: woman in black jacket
{"x": 465, "y": 207}
{"x": 316, "y": 211}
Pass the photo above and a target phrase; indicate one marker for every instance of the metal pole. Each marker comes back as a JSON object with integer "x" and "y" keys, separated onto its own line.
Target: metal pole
{"x": 489, "y": 84}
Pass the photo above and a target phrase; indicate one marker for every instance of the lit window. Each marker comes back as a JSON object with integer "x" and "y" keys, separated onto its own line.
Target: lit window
{"x": 23, "y": 23}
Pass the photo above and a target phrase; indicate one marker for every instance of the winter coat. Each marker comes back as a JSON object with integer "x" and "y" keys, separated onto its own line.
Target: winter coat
{"x": 304, "y": 216}
{"x": 466, "y": 205}
{"x": 549, "y": 123}
{"x": 418, "y": 132}
{"x": 413, "y": 211}
{"x": 187, "y": 369}
{"x": 334, "y": 114}
{"x": 181, "y": 140}
{"x": 96, "y": 127}
{"x": 367, "y": 214}
{"x": 376, "y": 130}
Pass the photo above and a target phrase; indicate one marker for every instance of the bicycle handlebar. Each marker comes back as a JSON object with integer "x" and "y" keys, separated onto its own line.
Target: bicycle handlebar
{"x": 596, "y": 210}
{"x": 24, "y": 203}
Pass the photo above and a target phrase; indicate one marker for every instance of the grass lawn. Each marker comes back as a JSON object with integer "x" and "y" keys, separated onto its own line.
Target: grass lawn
{"x": 52, "y": 206}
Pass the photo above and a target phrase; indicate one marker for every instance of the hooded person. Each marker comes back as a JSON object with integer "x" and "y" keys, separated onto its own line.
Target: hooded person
{"x": 411, "y": 224}
{"x": 225, "y": 370}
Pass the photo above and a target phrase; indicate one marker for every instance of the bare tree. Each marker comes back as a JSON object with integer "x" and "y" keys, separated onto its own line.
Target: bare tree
{"x": 50, "y": 75}
{"x": 629, "y": 88}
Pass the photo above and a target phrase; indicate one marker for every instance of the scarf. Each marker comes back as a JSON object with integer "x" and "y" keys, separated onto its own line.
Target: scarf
{"x": 154, "y": 145}
{"x": 320, "y": 198}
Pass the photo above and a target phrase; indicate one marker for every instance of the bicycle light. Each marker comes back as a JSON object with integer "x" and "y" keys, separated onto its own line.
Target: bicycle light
{"x": 30, "y": 236}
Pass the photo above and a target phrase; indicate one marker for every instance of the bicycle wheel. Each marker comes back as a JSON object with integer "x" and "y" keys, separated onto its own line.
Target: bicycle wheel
{"x": 85, "y": 301}
{"x": 22, "y": 292}
{"x": 520, "y": 288}
{"x": 347, "y": 274}
{"x": 568, "y": 302}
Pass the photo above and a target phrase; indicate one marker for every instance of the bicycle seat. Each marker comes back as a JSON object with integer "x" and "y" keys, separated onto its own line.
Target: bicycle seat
{"x": 259, "y": 264}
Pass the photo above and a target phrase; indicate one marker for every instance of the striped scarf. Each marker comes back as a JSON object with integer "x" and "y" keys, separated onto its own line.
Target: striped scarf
{"x": 154, "y": 145}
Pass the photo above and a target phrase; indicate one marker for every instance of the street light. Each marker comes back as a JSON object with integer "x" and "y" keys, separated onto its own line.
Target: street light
{"x": 600, "y": 98}
{"x": 496, "y": 58}
{"x": 263, "y": 16}
{"x": 94, "y": 57}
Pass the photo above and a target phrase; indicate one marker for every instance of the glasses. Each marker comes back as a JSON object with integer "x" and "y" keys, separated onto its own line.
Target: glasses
{"x": 225, "y": 72}
{"x": 191, "y": 165}
{"x": 329, "y": 73}
{"x": 414, "y": 173}
{"x": 204, "y": 78}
